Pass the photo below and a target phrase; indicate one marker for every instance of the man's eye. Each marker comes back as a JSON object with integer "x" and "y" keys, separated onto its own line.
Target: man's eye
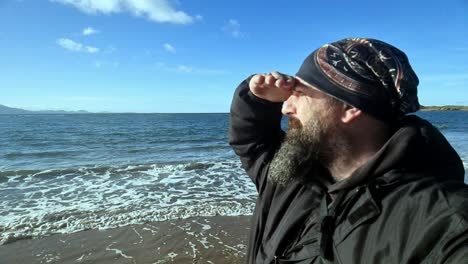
{"x": 298, "y": 92}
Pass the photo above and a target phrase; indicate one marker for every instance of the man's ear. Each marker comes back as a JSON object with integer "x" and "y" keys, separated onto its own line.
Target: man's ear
{"x": 349, "y": 114}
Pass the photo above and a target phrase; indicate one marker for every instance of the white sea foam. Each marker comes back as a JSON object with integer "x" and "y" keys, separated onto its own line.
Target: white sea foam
{"x": 48, "y": 202}
{"x": 118, "y": 252}
{"x": 465, "y": 165}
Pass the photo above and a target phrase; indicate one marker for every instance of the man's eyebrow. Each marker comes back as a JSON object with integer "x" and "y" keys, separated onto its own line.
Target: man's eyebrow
{"x": 300, "y": 88}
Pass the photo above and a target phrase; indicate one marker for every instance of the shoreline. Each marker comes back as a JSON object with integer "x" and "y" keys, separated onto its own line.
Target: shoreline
{"x": 444, "y": 108}
{"x": 217, "y": 239}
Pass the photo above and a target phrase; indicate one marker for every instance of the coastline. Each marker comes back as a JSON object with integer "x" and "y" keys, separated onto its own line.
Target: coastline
{"x": 444, "y": 108}
{"x": 217, "y": 239}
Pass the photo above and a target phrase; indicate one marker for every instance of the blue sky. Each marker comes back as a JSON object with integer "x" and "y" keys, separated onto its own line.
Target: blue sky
{"x": 188, "y": 56}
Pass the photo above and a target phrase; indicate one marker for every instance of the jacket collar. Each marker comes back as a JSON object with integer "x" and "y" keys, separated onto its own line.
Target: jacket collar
{"x": 417, "y": 146}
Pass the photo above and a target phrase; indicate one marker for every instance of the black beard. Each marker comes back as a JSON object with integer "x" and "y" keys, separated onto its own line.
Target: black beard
{"x": 302, "y": 149}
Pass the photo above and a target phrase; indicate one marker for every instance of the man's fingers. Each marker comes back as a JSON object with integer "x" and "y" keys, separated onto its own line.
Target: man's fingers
{"x": 280, "y": 82}
{"x": 257, "y": 79}
{"x": 290, "y": 80}
{"x": 277, "y": 75}
{"x": 270, "y": 79}
{"x": 283, "y": 80}
{"x": 272, "y": 86}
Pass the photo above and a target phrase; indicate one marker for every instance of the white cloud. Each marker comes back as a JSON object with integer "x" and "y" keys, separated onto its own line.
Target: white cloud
{"x": 89, "y": 31}
{"x": 183, "y": 68}
{"x": 189, "y": 69}
{"x": 168, "y": 47}
{"x": 233, "y": 28}
{"x": 159, "y": 11}
{"x": 100, "y": 64}
{"x": 110, "y": 49}
{"x": 91, "y": 49}
{"x": 71, "y": 45}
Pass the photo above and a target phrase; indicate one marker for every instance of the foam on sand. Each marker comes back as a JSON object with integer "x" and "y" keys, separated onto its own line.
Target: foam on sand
{"x": 174, "y": 241}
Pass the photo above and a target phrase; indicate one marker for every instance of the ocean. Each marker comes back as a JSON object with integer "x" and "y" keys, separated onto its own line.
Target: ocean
{"x": 67, "y": 173}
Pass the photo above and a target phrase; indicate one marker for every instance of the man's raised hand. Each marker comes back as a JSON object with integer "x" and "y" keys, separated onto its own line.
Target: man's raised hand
{"x": 273, "y": 86}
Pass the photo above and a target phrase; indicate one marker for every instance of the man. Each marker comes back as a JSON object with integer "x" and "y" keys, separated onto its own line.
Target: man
{"x": 355, "y": 179}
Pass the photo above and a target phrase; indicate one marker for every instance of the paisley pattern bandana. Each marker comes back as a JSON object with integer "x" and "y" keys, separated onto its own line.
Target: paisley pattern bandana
{"x": 368, "y": 74}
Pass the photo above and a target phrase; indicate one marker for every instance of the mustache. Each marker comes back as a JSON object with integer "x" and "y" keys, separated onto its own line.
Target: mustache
{"x": 294, "y": 123}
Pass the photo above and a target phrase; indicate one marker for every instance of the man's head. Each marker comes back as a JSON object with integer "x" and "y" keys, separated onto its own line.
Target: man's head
{"x": 312, "y": 136}
{"x": 314, "y": 133}
{"x": 347, "y": 92}
{"x": 368, "y": 74}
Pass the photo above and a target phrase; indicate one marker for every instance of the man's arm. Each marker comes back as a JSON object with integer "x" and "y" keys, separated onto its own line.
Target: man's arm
{"x": 255, "y": 122}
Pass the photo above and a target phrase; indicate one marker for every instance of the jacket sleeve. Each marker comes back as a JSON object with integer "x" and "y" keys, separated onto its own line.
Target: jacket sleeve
{"x": 255, "y": 131}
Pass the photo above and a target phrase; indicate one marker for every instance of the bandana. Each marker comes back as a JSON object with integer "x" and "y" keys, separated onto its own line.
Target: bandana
{"x": 368, "y": 74}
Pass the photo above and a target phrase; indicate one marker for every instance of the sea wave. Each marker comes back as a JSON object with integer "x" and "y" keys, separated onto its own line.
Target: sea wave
{"x": 63, "y": 223}
{"x": 104, "y": 169}
{"x": 42, "y": 202}
{"x": 40, "y": 154}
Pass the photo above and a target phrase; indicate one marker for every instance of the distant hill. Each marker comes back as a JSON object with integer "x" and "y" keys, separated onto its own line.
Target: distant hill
{"x": 444, "y": 108}
{"x": 5, "y": 110}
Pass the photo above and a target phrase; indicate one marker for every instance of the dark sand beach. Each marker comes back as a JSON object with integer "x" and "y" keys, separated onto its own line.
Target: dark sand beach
{"x": 219, "y": 239}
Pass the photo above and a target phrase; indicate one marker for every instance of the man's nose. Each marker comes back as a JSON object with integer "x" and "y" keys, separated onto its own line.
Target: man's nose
{"x": 289, "y": 106}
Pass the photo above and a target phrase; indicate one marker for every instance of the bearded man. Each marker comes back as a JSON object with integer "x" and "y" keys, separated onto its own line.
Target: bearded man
{"x": 356, "y": 178}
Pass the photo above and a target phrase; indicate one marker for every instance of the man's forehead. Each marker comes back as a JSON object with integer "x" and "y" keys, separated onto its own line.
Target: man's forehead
{"x": 310, "y": 90}
{"x": 304, "y": 86}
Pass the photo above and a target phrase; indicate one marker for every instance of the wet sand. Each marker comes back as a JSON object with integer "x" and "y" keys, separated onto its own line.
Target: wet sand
{"x": 219, "y": 239}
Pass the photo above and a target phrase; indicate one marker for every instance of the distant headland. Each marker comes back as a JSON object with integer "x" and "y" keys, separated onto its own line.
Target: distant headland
{"x": 445, "y": 108}
{"x": 5, "y": 110}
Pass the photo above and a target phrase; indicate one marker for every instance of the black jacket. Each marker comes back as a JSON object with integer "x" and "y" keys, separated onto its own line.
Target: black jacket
{"x": 407, "y": 205}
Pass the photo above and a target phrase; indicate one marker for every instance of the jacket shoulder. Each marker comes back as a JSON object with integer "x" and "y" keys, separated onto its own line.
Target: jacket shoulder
{"x": 419, "y": 189}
